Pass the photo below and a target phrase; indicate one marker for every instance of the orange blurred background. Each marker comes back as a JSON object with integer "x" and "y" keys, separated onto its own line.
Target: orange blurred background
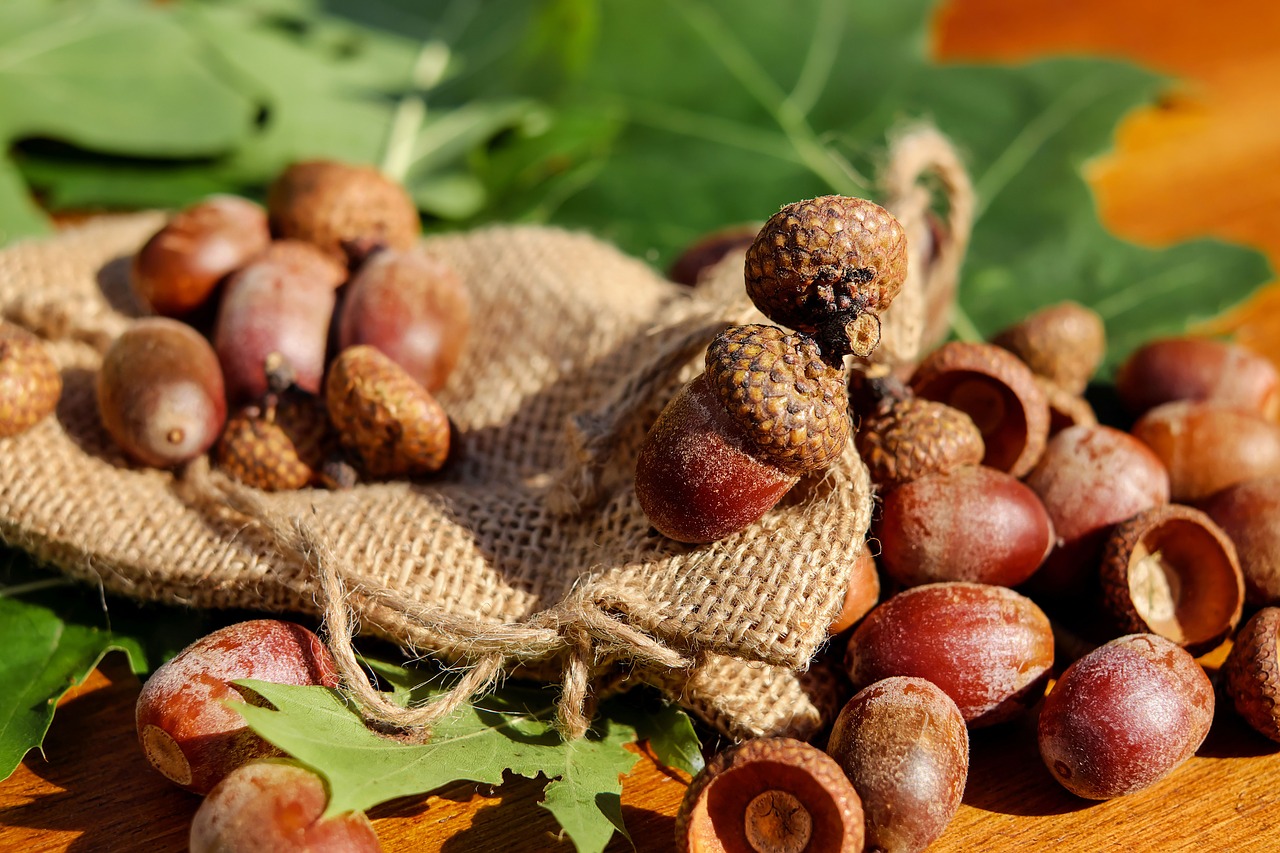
{"x": 1219, "y": 121}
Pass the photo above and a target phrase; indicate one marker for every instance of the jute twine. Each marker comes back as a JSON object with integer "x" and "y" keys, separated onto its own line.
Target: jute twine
{"x": 529, "y": 554}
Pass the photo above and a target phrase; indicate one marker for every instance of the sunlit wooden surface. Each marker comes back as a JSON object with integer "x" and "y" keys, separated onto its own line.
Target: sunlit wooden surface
{"x": 1200, "y": 162}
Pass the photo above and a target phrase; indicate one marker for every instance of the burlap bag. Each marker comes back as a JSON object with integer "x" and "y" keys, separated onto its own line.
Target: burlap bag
{"x": 529, "y": 553}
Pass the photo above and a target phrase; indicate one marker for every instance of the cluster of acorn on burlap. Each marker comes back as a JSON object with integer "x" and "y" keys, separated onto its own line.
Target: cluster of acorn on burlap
{"x": 300, "y": 344}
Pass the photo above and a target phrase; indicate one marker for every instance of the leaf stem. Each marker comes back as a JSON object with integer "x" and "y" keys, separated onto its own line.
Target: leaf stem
{"x": 739, "y": 62}
{"x": 1035, "y": 133}
{"x": 963, "y": 326}
{"x": 33, "y": 586}
{"x": 411, "y": 111}
{"x": 820, "y": 58}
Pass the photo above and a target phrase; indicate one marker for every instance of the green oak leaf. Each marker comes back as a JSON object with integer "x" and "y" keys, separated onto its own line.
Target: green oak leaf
{"x": 54, "y": 632}
{"x": 316, "y": 726}
{"x": 770, "y": 102}
{"x": 510, "y": 730}
{"x": 113, "y": 75}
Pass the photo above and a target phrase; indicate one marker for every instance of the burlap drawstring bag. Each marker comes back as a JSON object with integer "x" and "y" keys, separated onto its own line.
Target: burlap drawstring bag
{"x": 529, "y": 554}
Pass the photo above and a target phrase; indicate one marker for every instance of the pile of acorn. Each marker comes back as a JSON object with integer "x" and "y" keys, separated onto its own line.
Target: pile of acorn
{"x": 992, "y": 473}
{"x": 320, "y": 323}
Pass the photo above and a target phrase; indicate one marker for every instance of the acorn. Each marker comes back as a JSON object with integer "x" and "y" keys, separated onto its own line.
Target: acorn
{"x": 279, "y": 446}
{"x": 827, "y": 267}
{"x": 346, "y": 210}
{"x": 917, "y": 437}
{"x": 1064, "y": 343}
{"x": 30, "y": 384}
{"x": 177, "y": 270}
{"x": 733, "y": 441}
{"x": 392, "y": 425}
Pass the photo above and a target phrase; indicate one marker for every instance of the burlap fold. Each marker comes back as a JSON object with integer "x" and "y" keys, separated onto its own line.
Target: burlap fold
{"x": 528, "y": 552}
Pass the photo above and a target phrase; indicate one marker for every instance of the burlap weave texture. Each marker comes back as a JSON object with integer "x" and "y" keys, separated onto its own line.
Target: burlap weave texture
{"x": 563, "y": 319}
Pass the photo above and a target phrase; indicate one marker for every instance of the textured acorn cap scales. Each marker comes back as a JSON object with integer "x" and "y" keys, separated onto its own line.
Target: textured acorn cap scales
{"x": 771, "y": 795}
{"x": 918, "y": 437}
{"x": 30, "y": 384}
{"x": 819, "y": 265}
{"x": 278, "y": 447}
{"x": 1251, "y": 673}
{"x": 1064, "y": 343}
{"x": 391, "y": 423}
{"x": 791, "y": 404}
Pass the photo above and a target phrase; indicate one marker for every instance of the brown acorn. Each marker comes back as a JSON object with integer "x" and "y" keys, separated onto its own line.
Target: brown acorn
{"x": 178, "y": 269}
{"x": 827, "y": 267}
{"x": 734, "y": 440}
{"x": 917, "y": 437}
{"x": 391, "y": 423}
{"x": 1064, "y": 343}
{"x": 346, "y": 210}
{"x": 30, "y": 384}
{"x": 280, "y": 446}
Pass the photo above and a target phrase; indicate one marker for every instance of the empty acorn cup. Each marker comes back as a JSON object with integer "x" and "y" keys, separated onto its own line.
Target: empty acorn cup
{"x": 1171, "y": 571}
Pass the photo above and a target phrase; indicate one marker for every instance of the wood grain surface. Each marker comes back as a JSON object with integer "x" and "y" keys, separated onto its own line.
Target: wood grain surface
{"x": 1201, "y": 162}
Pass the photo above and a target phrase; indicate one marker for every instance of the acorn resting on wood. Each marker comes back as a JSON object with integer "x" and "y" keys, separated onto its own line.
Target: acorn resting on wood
{"x": 725, "y": 450}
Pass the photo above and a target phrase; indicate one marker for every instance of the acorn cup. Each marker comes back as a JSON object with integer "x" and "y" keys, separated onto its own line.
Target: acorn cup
{"x": 1171, "y": 571}
{"x": 732, "y": 442}
{"x": 1000, "y": 393}
{"x": 915, "y": 438}
{"x": 827, "y": 267}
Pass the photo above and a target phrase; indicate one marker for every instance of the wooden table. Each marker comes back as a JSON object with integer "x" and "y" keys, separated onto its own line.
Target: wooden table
{"x": 1202, "y": 162}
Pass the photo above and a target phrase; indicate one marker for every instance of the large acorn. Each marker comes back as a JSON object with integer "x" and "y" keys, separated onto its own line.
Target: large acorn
{"x": 732, "y": 442}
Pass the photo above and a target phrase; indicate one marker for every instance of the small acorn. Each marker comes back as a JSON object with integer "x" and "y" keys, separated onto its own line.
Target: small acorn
{"x": 827, "y": 267}
{"x": 733, "y": 441}
{"x": 390, "y": 423}
{"x": 917, "y": 437}
{"x": 279, "y": 446}
{"x": 1064, "y": 343}
{"x": 177, "y": 270}
{"x": 348, "y": 211}
{"x": 30, "y": 384}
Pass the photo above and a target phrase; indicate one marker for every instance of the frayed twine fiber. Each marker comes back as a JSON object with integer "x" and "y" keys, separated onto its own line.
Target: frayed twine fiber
{"x": 529, "y": 553}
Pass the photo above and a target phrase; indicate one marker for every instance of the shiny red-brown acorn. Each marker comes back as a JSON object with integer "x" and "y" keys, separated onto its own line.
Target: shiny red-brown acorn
{"x": 827, "y": 267}
{"x": 729, "y": 445}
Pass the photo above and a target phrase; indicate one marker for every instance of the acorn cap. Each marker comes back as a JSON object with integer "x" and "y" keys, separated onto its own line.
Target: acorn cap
{"x": 277, "y": 449}
{"x": 791, "y": 405}
{"x": 347, "y": 210}
{"x": 918, "y": 437}
{"x": 391, "y": 423}
{"x": 998, "y": 391}
{"x": 774, "y": 795}
{"x": 820, "y": 263}
{"x": 1171, "y": 571}
{"x": 30, "y": 384}
{"x": 1251, "y": 673}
